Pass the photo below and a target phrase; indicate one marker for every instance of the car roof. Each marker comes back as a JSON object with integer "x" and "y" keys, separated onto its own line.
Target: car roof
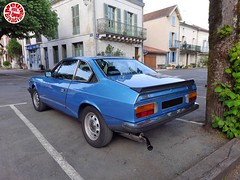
{"x": 96, "y": 57}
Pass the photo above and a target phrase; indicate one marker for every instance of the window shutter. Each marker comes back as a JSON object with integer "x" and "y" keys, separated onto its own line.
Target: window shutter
{"x": 77, "y": 20}
{"x": 170, "y": 39}
{"x": 125, "y": 22}
{"x": 135, "y": 19}
{"x": 118, "y": 20}
{"x": 135, "y": 24}
{"x": 171, "y": 56}
{"x": 105, "y": 11}
{"x": 73, "y": 20}
{"x": 175, "y": 40}
{"x": 175, "y": 56}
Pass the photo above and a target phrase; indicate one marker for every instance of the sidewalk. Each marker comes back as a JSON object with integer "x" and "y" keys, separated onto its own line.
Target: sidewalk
{"x": 216, "y": 165}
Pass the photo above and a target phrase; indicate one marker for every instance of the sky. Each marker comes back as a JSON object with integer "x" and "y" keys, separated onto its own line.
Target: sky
{"x": 192, "y": 11}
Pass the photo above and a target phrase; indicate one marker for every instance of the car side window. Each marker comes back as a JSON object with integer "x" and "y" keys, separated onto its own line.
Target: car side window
{"x": 84, "y": 72}
{"x": 65, "y": 70}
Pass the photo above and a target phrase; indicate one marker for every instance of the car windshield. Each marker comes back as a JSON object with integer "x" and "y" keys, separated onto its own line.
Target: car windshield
{"x": 113, "y": 67}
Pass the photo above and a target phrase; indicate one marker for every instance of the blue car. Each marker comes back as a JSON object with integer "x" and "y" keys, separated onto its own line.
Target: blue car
{"x": 111, "y": 94}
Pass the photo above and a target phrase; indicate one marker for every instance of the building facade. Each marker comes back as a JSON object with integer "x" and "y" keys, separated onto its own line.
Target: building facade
{"x": 89, "y": 28}
{"x": 185, "y": 45}
{"x": 194, "y": 44}
{"x": 163, "y": 34}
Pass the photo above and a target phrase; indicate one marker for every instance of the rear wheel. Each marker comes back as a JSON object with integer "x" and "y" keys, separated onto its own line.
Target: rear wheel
{"x": 37, "y": 103}
{"x": 95, "y": 130}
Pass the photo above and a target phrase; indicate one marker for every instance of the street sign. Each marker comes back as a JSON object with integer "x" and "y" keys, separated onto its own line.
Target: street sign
{"x": 14, "y": 12}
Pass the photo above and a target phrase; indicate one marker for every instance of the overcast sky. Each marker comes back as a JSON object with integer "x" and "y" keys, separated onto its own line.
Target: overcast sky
{"x": 192, "y": 11}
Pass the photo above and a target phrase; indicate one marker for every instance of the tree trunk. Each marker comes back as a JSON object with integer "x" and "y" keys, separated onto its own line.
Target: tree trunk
{"x": 221, "y": 13}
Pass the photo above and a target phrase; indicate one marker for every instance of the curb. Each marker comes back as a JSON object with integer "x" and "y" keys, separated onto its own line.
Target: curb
{"x": 216, "y": 165}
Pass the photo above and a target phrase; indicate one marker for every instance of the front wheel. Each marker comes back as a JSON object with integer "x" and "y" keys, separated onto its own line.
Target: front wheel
{"x": 95, "y": 130}
{"x": 37, "y": 103}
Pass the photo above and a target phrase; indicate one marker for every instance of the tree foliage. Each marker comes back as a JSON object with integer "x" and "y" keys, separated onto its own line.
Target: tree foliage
{"x": 39, "y": 20}
{"x": 14, "y": 49}
{"x": 109, "y": 51}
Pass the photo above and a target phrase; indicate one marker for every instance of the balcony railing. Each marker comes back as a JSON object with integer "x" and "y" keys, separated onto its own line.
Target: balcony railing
{"x": 106, "y": 26}
{"x": 174, "y": 44}
{"x": 190, "y": 47}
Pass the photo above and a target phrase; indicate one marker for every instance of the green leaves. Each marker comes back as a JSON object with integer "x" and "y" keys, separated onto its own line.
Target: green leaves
{"x": 218, "y": 89}
{"x": 225, "y": 31}
{"x": 14, "y": 49}
{"x": 228, "y": 71}
{"x": 229, "y": 95}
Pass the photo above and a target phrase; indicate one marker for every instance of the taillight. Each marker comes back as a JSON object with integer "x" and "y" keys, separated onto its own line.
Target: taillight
{"x": 191, "y": 97}
{"x": 145, "y": 110}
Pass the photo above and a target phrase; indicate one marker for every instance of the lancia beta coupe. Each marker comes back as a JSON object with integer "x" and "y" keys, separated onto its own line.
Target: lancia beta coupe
{"x": 110, "y": 94}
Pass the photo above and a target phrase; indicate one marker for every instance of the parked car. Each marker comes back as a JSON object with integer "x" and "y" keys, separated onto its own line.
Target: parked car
{"x": 110, "y": 94}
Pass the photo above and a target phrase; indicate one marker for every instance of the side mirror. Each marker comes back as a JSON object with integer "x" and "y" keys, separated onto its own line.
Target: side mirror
{"x": 48, "y": 74}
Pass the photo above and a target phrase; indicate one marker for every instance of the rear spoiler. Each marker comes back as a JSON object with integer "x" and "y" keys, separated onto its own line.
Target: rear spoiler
{"x": 188, "y": 83}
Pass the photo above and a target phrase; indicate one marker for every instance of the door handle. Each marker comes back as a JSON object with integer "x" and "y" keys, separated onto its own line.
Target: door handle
{"x": 62, "y": 90}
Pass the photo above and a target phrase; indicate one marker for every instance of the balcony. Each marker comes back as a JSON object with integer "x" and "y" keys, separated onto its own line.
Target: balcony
{"x": 173, "y": 45}
{"x": 120, "y": 32}
{"x": 190, "y": 48}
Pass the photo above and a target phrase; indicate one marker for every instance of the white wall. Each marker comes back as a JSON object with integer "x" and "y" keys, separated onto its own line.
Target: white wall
{"x": 158, "y": 32}
{"x": 88, "y": 20}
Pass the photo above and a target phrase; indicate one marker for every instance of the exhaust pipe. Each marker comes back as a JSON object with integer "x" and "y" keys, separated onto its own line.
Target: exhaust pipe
{"x": 138, "y": 138}
{"x": 145, "y": 139}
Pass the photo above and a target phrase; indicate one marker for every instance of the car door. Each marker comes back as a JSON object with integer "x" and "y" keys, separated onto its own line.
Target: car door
{"x": 79, "y": 89}
{"x": 56, "y": 86}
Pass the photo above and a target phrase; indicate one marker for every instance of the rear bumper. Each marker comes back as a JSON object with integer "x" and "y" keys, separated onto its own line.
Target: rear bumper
{"x": 154, "y": 122}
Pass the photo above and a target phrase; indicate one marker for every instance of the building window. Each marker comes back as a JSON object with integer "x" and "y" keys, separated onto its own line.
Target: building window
{"x": 129, "y": 18}
{"x": 183, "y": 39}
{"x": 28, "y": 41}
{"x": 173, "y": 20}
{"x": 111, "y": 13}
{"x": 78, "y": 49}
{"x": 39, "y": 39}
{"x": 130, "y": 21}
{"x": 173, "y": 57}
{"x": 55, "y": 54}
{"x": 75, "y": 20}
{"x": 64, "y": 51}
{"x": 172, "y": 40}
{"x": 111, "y": 16}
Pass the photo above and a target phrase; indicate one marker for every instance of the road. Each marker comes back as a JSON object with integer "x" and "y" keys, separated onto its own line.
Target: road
{"x": 50, "y": 145}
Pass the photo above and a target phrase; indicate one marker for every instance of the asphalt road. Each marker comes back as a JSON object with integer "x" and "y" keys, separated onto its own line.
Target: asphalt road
{"x": 50, "y": 145}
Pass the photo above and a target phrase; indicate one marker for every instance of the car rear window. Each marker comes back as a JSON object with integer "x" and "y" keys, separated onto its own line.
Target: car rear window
{"x": 115, "y": 67}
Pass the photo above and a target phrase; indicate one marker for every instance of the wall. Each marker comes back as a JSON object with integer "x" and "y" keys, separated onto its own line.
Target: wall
{"x": 88, "y": 20}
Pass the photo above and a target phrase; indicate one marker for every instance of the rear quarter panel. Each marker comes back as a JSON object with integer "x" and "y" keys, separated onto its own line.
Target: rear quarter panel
{"x": 113, "y": 100}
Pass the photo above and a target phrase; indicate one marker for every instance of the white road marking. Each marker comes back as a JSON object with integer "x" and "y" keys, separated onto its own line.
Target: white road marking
{"x": 66, "y": 167}
{"x": 13, "y": 104}
{"x": 192, "y": 122}
{"x": 4, "y": 80}
{"x": 204, "y": 97}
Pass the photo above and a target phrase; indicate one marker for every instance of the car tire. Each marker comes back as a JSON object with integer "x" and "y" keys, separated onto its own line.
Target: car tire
{"x": 37, "y": 103}
{"x": 95, "y": 130}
